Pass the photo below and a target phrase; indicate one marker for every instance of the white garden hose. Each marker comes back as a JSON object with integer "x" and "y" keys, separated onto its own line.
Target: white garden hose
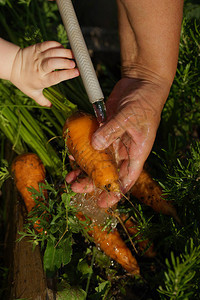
{"x": 82, "y": 58}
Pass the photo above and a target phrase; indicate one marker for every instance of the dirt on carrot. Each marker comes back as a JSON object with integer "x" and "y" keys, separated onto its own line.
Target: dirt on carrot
{"x": 28, "y": 171}
{"x": 149, "y": 192}
{"x": 99, "y": 165}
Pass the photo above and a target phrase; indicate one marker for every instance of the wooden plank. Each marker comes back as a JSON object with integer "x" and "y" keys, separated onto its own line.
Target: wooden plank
{"x": 26, "y": 275}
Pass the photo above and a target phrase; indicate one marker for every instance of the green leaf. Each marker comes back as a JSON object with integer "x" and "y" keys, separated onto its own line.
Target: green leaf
{"x": 4, "y": 172}
{"x": 102, "y": 286}
{"x": 66, "y": 199}
{"x": 71, "y": 293}
{"x": 62, "y": 35}
{"x": 50, "y": 256}
{"x": 84, "y": 268}
{"x": 66, "y": 250}
{"x": 57, "y": 255}
{"x": 3, "y": 2}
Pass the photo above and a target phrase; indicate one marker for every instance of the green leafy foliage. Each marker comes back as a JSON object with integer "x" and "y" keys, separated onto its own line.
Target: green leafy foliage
{"x": 57, "y": 255}
{"x": 69, "y": 255}
{"x": 4, "y": 172}
{"x": 181, "y": 278}
{"x": 181, "y": 114}
{"x": 192, "y": 9}
{"x": 67, "y": 292}
{"x": 182, "y": 182}
{"x": 54, "y": 219}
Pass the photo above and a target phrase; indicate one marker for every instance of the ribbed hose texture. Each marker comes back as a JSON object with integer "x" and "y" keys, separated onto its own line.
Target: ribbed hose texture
{"x": 80, "y": 50}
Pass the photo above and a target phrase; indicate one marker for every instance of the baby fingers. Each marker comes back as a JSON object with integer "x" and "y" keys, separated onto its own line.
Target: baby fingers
{"x": 57, "y": 52}
{"x": 50, "y": 64}
{"x": 58, "y": 76}
{"x": 52, "y": 49}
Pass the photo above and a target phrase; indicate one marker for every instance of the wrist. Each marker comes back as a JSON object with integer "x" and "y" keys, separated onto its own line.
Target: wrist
{"x": 147, "y": 74}
{"x": 152, "y": 90}
{"x": 8, "y": 52}
{"x": 145, "y": 71}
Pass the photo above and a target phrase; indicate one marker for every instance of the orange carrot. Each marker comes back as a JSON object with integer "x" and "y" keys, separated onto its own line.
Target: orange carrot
{"x": 99, "y": 165}
{"x": 112, "y": 245}
{"x": 28, "y": 171}
{"x": 144, "y": 245}
{"x": 150, "y": 193}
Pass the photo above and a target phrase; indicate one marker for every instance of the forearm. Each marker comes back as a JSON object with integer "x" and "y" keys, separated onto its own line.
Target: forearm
{"x": 8, "y": 53}
{"x": 149, "y": 37}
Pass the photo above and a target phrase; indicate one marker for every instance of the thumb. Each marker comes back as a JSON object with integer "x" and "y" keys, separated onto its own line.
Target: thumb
{"x": 107, "y": 134}
{"x": 41, "y": 99}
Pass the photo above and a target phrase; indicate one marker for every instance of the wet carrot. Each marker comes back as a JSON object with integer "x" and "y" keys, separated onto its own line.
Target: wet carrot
{"x": 99, "y": 165}
{"x": 150, "y": 193}
{"x": 28, "y": 171}
{"x": 111, "y": 243}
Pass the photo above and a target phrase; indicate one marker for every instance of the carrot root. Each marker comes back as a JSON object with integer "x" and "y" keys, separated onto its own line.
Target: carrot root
{"x": 149, "y": 192}
{"x": 28, "y": 171}
{"x": 99, "y": 165}
{"x": 111, "y": 243}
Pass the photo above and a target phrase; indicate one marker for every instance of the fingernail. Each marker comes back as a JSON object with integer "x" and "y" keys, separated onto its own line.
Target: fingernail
{"x": 99, "y": 142}
{"x": 76, "y": 71}
{"x": 49, "y": 104}
{"x": 72, "y": 64}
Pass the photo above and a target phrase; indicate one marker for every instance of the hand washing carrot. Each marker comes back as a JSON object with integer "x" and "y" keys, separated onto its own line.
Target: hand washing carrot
{"x": 28, "y": 171}
{"x": 150, "y": 193}
{"x": 99, "y": 165}
{"x": 111, "y": 243}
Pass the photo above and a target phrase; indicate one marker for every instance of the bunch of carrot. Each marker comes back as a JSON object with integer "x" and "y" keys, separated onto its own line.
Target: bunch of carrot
{"x": 101, "y": 167}
{"x": 28, "y": 172}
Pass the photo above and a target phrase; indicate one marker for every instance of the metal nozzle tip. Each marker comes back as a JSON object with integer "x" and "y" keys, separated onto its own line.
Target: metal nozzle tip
{"x": 100, "y": 111}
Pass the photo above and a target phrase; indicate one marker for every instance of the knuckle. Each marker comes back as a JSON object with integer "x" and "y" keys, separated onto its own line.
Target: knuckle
{"x": 49, "y": 64}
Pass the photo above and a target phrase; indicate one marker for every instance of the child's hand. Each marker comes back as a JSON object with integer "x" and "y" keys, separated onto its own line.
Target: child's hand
{"x": 40, "y": 66}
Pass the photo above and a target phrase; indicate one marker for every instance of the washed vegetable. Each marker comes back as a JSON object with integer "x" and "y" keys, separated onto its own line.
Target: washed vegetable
{"x": 150, "y": 193}
{"x": 111, "y": 243}
{"x": 99, "y": 165}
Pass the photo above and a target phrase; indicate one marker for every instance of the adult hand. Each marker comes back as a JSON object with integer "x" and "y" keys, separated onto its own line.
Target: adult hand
{"x": 40, "y": 66}
{"x": 134, "y": 109}
{"x": 149, "y": 40}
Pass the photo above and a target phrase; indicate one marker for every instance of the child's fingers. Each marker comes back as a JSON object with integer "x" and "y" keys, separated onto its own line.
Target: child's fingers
{"x": 40, "y": 98}
{"x": 58, "y": 76}
{"x": 57, "y": 52}
{"x": 41, "y": 47}
{"x": 51, "y": 64}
